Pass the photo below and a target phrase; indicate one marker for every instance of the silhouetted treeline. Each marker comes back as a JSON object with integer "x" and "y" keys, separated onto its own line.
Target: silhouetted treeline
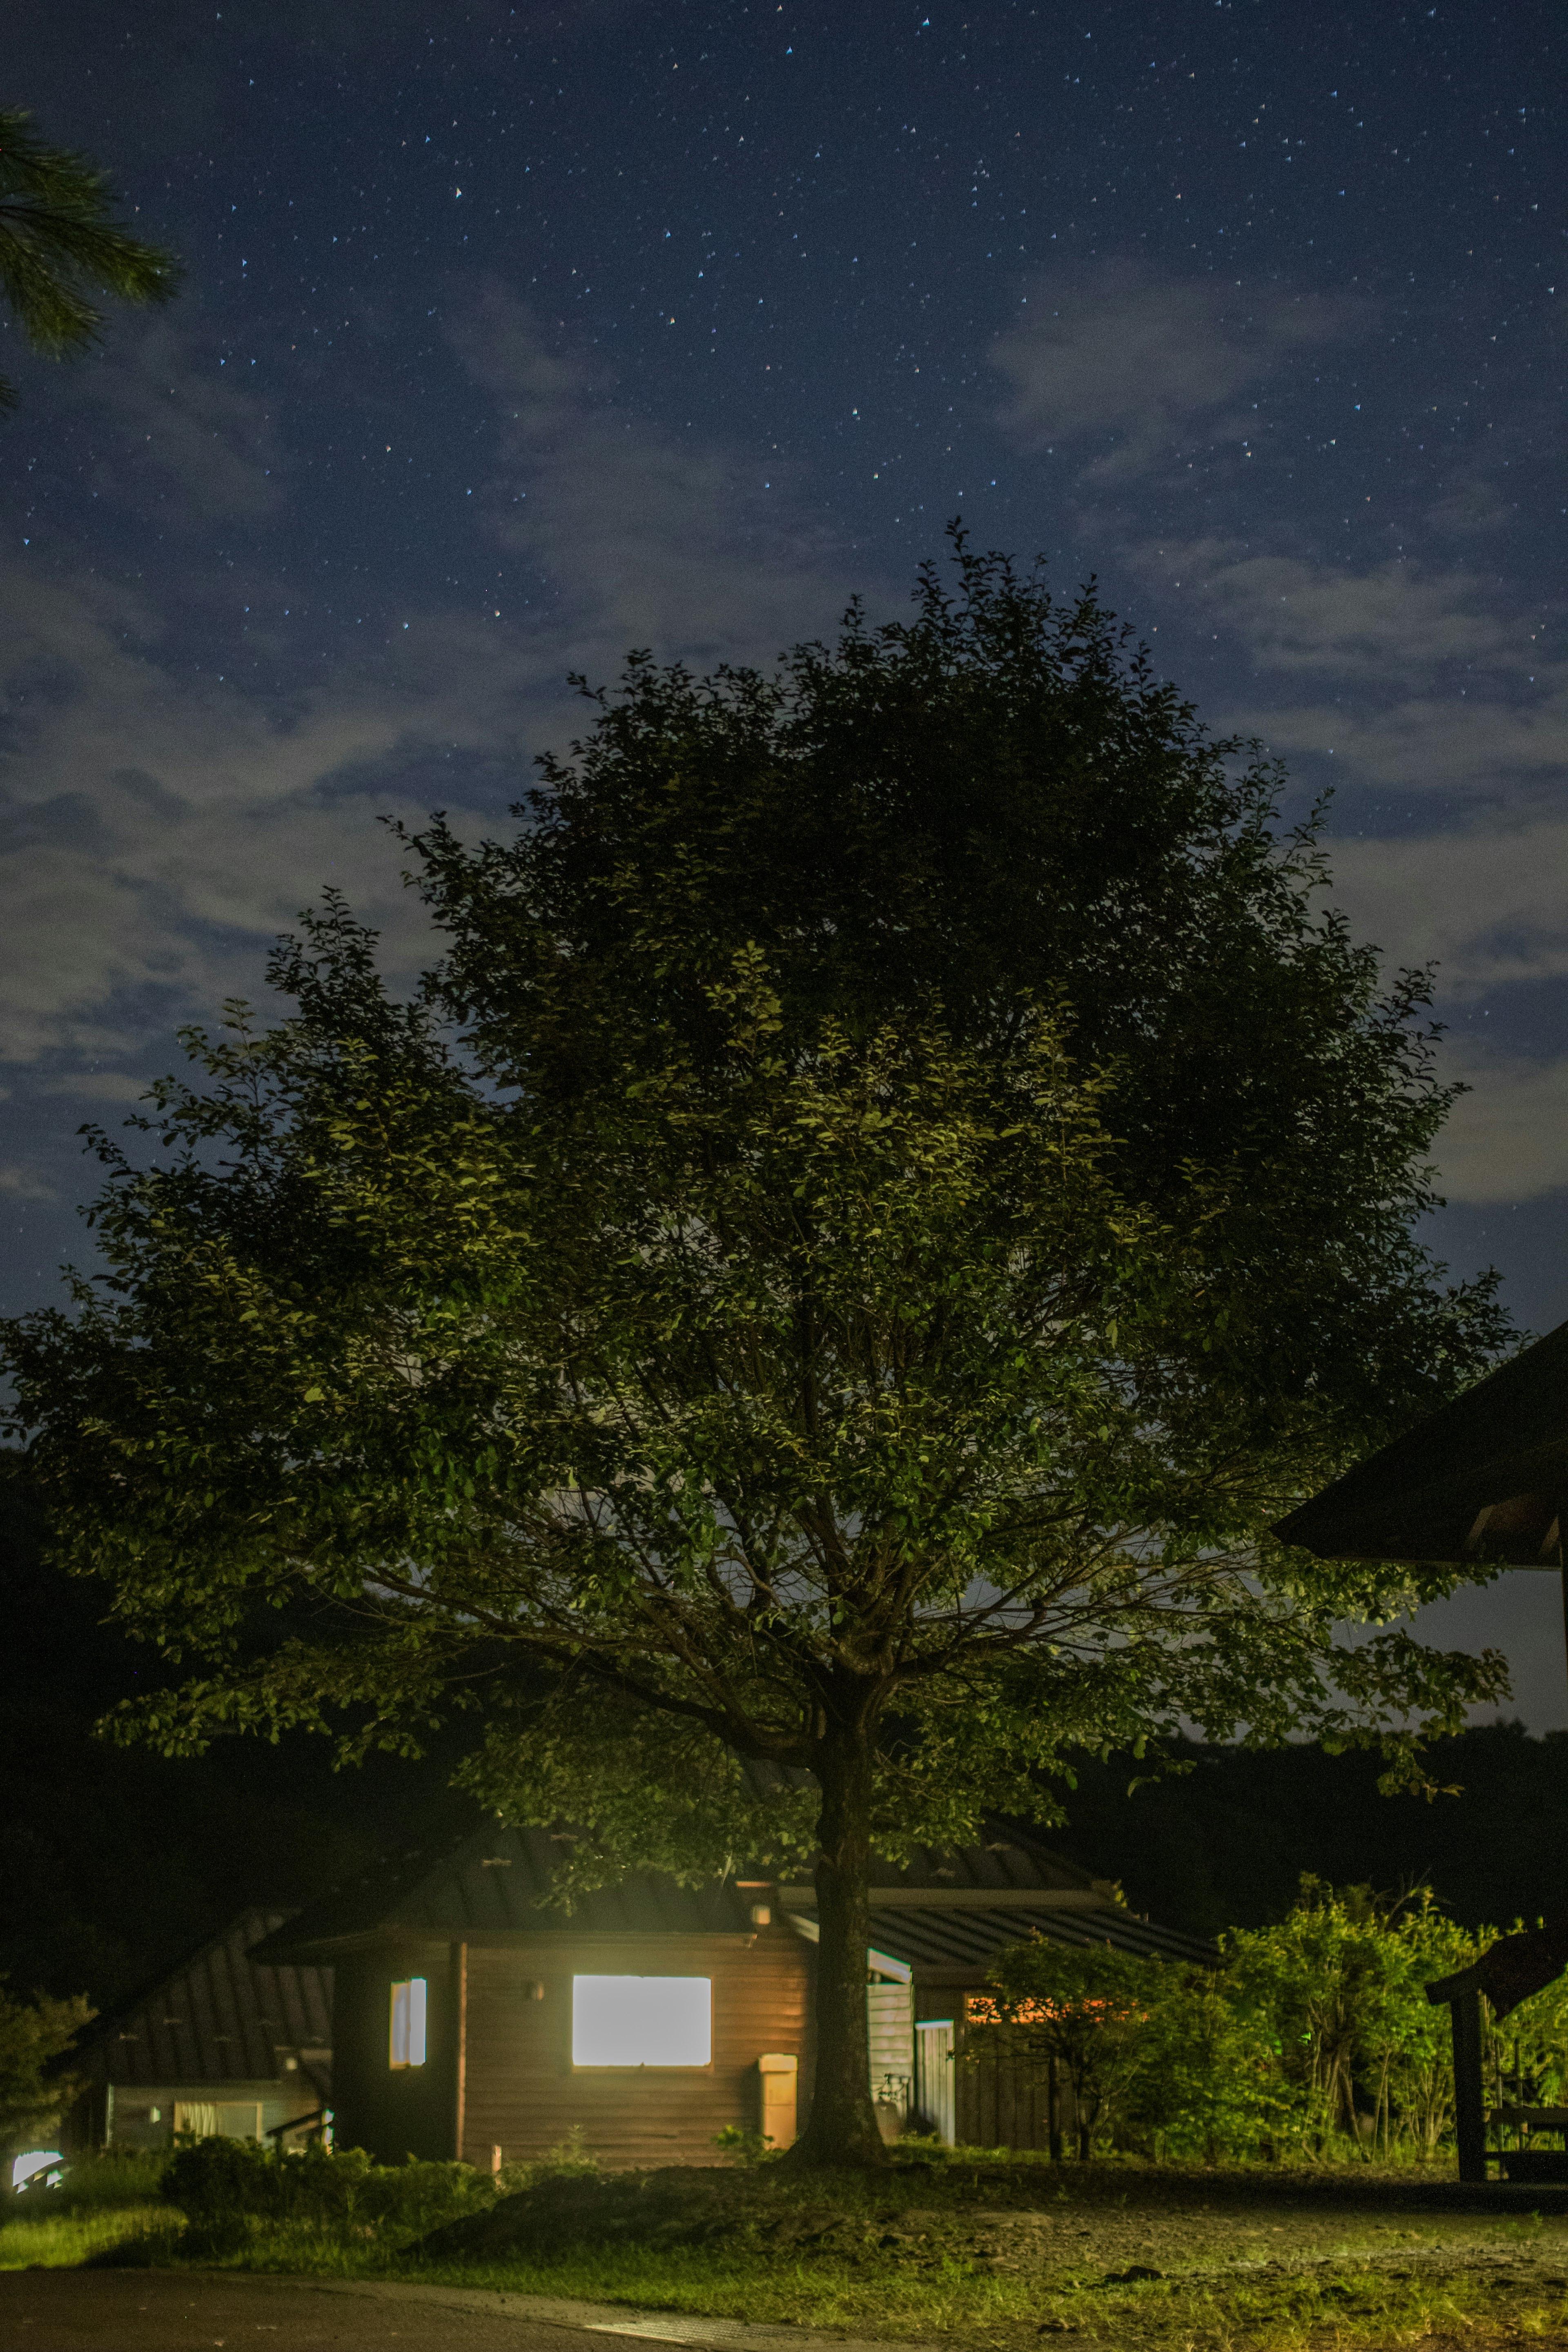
{"x": 114, "y": 1861}
{"x": 1225, "y": 1845}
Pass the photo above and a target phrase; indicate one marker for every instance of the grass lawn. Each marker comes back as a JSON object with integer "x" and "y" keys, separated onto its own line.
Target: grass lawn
{"x": 986, "y": 2254}
{"x": 62, "y": 2240}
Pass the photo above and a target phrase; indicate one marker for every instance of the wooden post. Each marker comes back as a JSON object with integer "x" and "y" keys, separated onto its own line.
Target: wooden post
{"x": 460, "y": 2082}
{"x": 1469, "y": 2104}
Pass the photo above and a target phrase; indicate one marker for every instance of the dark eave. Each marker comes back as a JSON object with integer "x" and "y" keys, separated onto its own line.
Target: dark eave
{"x": 1484, "y": 1478}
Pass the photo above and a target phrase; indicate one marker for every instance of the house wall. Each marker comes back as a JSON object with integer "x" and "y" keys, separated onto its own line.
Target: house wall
{"x": 523, "y": 2095}
{"x": 403, "y": 2111}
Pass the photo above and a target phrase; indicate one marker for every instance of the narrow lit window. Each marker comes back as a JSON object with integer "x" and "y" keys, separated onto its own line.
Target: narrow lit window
{"x": 408, "y": 2022}
{"x": 642, "y": 2020}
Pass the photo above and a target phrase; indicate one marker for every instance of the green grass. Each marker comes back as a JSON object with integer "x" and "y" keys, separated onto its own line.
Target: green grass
{"x": 57, "y": 2241}
{"x": 988, "y": 2255}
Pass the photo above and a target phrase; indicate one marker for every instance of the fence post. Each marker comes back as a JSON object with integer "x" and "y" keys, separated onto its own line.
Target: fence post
{"x": 1469, "y": 2104}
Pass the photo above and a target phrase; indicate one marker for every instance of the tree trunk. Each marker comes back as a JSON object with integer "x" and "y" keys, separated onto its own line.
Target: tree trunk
{"x": 842, "y": 2126}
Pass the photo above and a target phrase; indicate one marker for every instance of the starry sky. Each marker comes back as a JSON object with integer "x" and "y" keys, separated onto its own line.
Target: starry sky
{"x": 515, "y": 337}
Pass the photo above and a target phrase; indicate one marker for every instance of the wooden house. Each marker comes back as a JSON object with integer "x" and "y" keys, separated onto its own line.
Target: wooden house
{"x": 226, "y": 2044}
{"x": 473, "y": 2018}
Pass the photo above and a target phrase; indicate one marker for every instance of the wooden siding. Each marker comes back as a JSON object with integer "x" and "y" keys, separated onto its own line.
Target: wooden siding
{"x": 522, "y": 2093}
{"x": 1003, "y": 2102}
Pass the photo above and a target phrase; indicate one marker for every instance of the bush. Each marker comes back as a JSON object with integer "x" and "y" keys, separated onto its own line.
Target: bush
{"x": 226, "y": 2187}
{"x": 744, "y": 2148}
{"x": 1314, "y": 2038}
{"x": 33, "y": 2093}
{"x": 570, "y": 2158}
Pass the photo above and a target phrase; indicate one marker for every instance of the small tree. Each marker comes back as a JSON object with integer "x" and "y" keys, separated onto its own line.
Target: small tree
{"x": 59, "y": 243}
{"x": 1072, "y": 2015}
{"x": 809, "y": 1316}
{"x": 33, "y": 2035}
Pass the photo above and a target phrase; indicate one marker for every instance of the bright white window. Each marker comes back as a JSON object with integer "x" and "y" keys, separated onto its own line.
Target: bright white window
{"x": 642, "y": 2020}
{"x": 408, "y": 2003}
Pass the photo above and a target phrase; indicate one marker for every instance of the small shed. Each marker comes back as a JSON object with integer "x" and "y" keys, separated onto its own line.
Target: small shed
{"x": 1484, "y": 1479}
{"x": 225, "y": 2043}
{"x": 474, "y": 2017}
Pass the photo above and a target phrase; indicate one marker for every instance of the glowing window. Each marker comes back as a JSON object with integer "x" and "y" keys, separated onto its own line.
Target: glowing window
{"x": 408, "y": 2022}
{"x": 642, "y": 2020}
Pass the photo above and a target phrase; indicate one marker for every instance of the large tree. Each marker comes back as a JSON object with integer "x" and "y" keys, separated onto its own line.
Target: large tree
{"x": 60, "y": 246}
{"x": 806, "y": 1321}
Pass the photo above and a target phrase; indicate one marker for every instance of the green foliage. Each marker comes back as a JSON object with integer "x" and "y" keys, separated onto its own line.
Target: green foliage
{"x": 1312, "y": 2039}
{"x": 1078, "y": 2016}
{"x": 59, "y": 238}
{"x": 892, "y": 1190}
{"x": 745, "y": 2148}
{"x": 108, "y": 2178}
{"x": 1342, "y": 1983}
{"x": 571, "y": 2159}
{"x": 223, "y": 2187}
{"x": 1207, "y": 2081}
{"x": 33, "y": 2035}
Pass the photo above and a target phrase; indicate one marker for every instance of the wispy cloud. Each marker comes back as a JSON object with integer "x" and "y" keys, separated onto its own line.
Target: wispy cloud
{"x": 21, "y": 1182}
{"x": 1507, "y": 1138}
{"x": 164, "y": 826}
{"x": 1126, "y": 361}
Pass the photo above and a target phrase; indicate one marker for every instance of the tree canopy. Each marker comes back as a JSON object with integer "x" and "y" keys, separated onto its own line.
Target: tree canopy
{"x": 804, "y": 1323}
{"x": 59, "y": 243}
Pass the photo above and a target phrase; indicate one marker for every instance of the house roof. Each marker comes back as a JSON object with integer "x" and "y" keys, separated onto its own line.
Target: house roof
{"x": 495, "y": 1883}
{"x": 222, "y": 2016}
{"x": 1482, "y": 1479}
{"x": 946, "y": 1907}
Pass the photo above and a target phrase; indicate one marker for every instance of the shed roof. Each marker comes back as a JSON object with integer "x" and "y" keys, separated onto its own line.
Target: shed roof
{"x": 949, "y": 1939}
{"x": 222, "y": 2016}
{"x": 1482, "y": 1479}
{"x": 954, "y": 1909}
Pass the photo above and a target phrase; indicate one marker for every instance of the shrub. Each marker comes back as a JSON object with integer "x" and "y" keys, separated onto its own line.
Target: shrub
{"x": 226, "y": 2186}
{"x": 1314, "y": 2037}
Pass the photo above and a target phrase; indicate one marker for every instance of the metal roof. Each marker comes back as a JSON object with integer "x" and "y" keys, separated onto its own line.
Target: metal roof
{"x": 222, "y": 2016}
{"x": 495, "y": 1883}
{"x": 956, "y": 1909}
{"x": 1482, "y": 1479}
{"x": 948, "y": 1907}
{"x": 1006, "y": 1863}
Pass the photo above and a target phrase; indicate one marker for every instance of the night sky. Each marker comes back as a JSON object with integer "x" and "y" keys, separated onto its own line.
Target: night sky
{"x": 516, "y": 336}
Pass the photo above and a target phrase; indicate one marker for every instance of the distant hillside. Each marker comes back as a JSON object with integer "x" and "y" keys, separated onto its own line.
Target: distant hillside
{"x": 1225, "y": 1845}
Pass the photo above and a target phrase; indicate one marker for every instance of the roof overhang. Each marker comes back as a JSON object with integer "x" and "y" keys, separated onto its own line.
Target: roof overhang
{"x": 1482, "y": 1481}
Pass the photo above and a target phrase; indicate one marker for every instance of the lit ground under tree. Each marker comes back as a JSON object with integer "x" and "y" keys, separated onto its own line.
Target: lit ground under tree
{"x": 806, "y": 1320}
